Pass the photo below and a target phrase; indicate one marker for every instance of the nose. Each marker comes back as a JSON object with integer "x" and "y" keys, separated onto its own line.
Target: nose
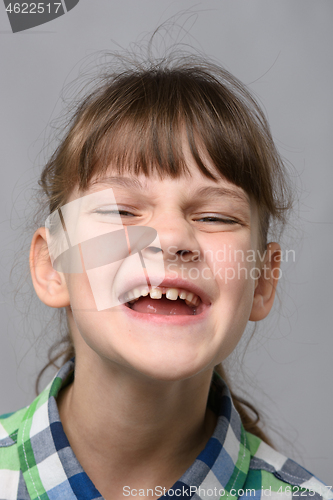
{"x": 177, "y": 238}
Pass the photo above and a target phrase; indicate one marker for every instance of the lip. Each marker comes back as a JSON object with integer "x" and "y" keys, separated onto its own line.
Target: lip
{"x": 169, "y": 319}
{"x": 171, "y": 283}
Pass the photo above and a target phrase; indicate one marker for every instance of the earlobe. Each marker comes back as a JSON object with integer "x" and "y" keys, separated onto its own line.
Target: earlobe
{"x": 49, "y": 284}
{"x": 264, "y": 293}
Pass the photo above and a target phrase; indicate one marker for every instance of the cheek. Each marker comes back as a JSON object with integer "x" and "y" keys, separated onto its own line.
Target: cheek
{"x": 80, "y": 293}
{"x": 89, "y": 326}
{"x": 98, "y": 289}
{"x": 234, "y": 272}
{"x": 232, "y": 264}
{"x": 233, "y": 306}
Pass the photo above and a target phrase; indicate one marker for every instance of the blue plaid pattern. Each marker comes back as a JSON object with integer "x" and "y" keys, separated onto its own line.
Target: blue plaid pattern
{"x": 37, "y": 462}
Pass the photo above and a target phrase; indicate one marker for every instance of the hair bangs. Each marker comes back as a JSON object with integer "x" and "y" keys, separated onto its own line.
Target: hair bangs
{"x": 147, "y": 138}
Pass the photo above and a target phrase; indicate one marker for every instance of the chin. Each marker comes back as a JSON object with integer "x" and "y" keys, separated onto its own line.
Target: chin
{"x": 164, "y": 367}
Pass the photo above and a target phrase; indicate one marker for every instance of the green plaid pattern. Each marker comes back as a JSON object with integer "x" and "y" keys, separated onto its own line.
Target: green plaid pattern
{"x": 37, "y": 462}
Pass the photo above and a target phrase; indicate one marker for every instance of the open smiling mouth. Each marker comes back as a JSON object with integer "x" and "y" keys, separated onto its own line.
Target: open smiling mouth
{"x": 163, "y": 300}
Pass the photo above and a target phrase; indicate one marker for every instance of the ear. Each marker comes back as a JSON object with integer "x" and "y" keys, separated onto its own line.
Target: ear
{"x": 49, "y": 284}
{"x": 266, "y": 283}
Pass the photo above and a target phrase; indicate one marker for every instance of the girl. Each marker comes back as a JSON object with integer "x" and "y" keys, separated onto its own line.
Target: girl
{"x": 161, "y": 198}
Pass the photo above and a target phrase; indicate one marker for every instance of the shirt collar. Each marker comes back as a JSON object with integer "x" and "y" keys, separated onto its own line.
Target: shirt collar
{"x": 50, "y": 467}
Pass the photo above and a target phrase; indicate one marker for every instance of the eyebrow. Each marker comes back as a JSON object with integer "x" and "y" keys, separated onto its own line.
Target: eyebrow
{"x": 217, "y": 192}
{"x": 129, "y": 182}
{"x": 204, "y": 192}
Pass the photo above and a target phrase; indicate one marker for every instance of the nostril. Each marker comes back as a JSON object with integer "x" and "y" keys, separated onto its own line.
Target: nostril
{"x": 183, "y": 252}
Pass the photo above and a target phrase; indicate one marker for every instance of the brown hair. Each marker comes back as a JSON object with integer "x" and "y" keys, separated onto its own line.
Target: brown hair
{"x": 136, "y": 118}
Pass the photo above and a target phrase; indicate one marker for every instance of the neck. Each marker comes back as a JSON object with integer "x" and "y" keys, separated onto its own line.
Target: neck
{"x": 133, "y": 424}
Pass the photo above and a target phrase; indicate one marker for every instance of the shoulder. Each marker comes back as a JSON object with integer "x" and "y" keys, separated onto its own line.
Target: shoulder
{"x": 9, "y": 426}
{"x": 11, "y": 478}
{"x": 273, "y": 476}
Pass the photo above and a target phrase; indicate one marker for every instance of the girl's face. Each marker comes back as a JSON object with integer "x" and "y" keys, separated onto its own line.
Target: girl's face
{"x": 208, "y": 235}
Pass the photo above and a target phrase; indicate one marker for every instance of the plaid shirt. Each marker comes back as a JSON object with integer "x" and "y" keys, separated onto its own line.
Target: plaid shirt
{"x": 37, "y": 462}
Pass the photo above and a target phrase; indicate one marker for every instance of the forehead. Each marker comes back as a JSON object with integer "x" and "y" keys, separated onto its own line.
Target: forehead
{"x": 188, "y": 185}
{"x": 188, "y": 191}
{"x": 190, "y": 181}
{"x": 192, "y": 169}
{"x": 196, "y": 184}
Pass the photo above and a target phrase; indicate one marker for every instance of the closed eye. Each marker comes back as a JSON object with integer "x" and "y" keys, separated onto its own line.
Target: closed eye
{"x": 211, "y": 219}
{"x": 218, "y": 220}
{"x": 123, "y": 213}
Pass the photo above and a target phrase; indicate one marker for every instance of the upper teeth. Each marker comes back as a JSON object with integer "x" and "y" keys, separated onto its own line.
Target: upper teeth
{"x": 156, "y": 293}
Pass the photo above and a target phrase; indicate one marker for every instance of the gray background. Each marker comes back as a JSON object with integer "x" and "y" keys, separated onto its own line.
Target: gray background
{"x": 283, "y": 51}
